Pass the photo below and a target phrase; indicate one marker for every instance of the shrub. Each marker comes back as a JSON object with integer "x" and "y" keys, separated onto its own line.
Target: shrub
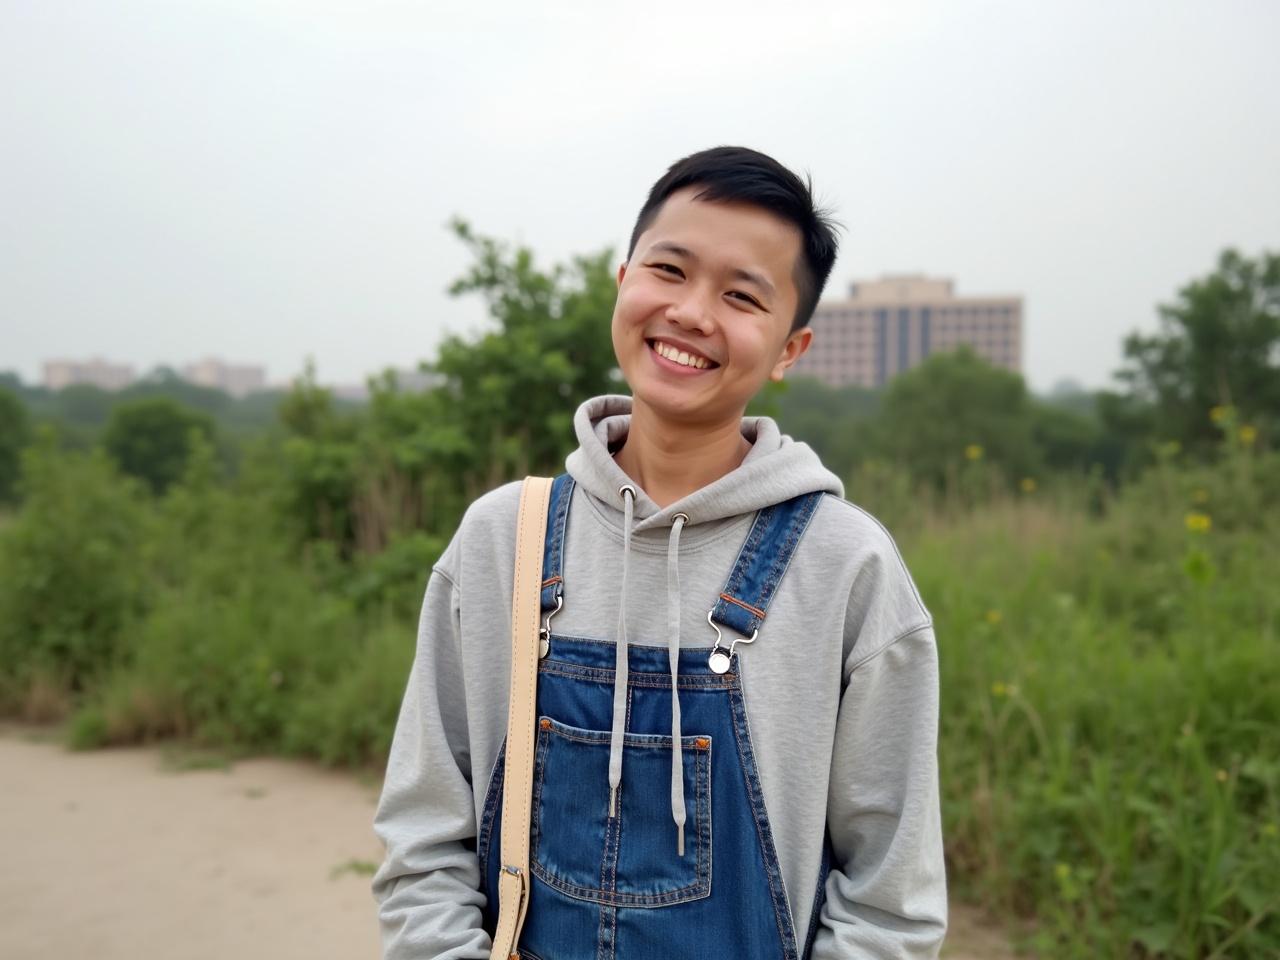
{"x": 71, "y": 578}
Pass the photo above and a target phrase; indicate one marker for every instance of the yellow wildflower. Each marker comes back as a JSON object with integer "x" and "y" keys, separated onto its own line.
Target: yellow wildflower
{"x": 1028, "y": 484}
{"x": 994, "y": 617}
{"x": 973, "y": 451}
{"x": 1248, "y": 434}
{"x": 1219, "y": 413}
{"x": 1198, "y": 522}
{"x": 998, "y": 689}
{"x": 1221, "y": 776}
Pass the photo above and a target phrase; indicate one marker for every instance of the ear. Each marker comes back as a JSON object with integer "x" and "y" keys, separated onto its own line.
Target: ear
{"x": 622, "y": 271}
{"x": 795, "y": 347}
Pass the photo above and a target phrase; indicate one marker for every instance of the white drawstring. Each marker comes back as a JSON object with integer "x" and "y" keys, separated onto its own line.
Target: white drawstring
{"x": 622, "y": 663}
{"x": 628, "y": 494}
{"x": 673, "y": 647}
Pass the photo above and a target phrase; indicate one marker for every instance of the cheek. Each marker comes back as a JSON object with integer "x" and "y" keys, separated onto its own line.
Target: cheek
{"x": 753, "y": 347}
{"x": 634, "y": 305}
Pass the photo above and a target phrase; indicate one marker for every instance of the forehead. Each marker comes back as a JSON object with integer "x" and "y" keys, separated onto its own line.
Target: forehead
{"x": 727, "y": 234}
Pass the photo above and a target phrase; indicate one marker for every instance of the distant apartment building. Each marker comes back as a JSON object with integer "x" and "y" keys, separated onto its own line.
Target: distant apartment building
{"x": 94, "y": 372}
{"x": 231, "y": 378}
{"x": 889, "y": 325}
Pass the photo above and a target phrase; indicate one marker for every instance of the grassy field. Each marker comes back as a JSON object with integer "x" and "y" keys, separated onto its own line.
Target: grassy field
{"x": 1110, "y": 740}
{"x": 1110, "y": 736}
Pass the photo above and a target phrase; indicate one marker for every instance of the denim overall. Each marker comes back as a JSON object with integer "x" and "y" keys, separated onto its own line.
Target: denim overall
{"x": 618, "y": 887}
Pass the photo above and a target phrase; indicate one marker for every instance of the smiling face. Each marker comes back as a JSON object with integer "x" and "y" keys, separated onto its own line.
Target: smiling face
{"x": 705, "y": 307}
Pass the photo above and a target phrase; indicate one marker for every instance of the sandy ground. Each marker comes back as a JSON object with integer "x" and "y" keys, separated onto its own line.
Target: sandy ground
{"x": 115, "y": 855}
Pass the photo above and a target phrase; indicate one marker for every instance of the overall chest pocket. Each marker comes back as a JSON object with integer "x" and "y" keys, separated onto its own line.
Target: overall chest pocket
{"x": 631, "y": 859}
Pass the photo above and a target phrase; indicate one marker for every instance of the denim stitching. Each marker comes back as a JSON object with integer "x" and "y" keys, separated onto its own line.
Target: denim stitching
{"x": 755, "y": 611}
{"x": 607, "y": 892}
{"x": 658, "y": 740}
{"x": 746, "y": 757}
{"x": 604, "y": 868}
{"x": 542, "y": 748}
{"x": 560, "y": 638}
{"x": 755, "y": 536}
{"x": 765, "y": 527}
{"x": 705, "y": 830}
{"x": 782, "y": 560}
{"x": 553, "y": 544}
{"x": 604, "y": 675}
{"x": 485, "y": 834}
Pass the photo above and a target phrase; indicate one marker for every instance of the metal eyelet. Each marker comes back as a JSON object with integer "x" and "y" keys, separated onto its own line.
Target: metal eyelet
{"x": 678, "y": 516}
{"x": 622, "y": 491}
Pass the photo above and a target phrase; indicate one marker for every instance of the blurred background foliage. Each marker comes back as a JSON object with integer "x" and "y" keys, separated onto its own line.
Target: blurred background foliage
{"x": 1102, "y": 567}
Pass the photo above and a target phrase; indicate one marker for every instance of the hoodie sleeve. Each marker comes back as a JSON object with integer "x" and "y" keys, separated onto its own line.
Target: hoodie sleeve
{"x": 886, "y": 893}
{"x": 428, "y": 888}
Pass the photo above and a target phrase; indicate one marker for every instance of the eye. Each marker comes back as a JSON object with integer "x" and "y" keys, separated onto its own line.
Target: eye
{"x": 668, "y": 268}
{"x": 745, "y": 297}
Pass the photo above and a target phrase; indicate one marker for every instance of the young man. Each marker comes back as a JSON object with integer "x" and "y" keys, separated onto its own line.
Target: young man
{"x": 738, "y": 705}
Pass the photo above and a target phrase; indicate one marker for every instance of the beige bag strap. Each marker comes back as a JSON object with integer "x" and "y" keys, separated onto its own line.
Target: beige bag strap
{"x": 517, "y": 783}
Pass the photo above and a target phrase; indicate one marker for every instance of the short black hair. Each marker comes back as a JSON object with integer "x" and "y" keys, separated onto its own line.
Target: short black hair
{"x": 749, "y": 176}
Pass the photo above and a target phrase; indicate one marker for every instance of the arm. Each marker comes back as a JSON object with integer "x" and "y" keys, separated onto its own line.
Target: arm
{"x": 428, "y": 888}
{"x": 886, "y": 894}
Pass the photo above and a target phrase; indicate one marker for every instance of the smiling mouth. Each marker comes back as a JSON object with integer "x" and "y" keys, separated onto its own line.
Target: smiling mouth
{"x": 683, "y": 358}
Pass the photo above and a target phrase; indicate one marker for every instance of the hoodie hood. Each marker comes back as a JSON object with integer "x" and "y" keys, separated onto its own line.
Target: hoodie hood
{"x": 777, "y": 468}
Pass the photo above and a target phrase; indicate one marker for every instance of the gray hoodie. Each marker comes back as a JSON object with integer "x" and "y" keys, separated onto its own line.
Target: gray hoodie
{"x": 841, "y": 688}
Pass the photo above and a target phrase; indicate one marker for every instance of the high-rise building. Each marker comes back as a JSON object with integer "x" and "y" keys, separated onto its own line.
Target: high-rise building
{"x": 94, "y": 372}
{"x": 889, "y": 325}
{"x": 235, "y": 380}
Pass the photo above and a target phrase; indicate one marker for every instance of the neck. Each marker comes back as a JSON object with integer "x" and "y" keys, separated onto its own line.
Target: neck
{"x": 670, "y": 460}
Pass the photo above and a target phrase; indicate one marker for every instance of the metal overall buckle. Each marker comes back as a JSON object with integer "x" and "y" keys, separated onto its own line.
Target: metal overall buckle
{"x": 720, "y": 659}
{"x": 544, "y": 634}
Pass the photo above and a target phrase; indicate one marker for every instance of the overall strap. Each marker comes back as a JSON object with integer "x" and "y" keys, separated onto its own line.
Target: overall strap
{"x": 553, "y": 548}
{"x": 762, "y": 562}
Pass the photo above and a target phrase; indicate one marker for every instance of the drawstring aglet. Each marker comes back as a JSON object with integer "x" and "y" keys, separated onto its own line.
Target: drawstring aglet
{"x": 613, "y": 802}
{"x": 679, "y": 839}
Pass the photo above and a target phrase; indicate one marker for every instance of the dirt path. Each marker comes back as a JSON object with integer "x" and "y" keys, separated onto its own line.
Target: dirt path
{"x": 114, "y": 855}
{"x": 108, "y": 855}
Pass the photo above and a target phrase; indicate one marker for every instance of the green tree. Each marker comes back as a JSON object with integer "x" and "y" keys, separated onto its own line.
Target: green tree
{"x": 321, "y": 459}
{"x": 513, "y": 390}
{"x": 955, "y": 409}
{"x": 14, "y": 432}
{"x": 151, "y": 439}
{"x": 1218, "y": 346}
{"x": 832, "y": 420}
{"x": 1065, "y": 439}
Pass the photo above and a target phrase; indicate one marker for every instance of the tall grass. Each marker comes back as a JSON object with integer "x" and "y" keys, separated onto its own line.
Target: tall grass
{"x": 1110, "y": 740}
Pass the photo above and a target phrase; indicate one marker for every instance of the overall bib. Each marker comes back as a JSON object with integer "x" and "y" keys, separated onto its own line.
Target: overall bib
{"x": 630, "y": 884}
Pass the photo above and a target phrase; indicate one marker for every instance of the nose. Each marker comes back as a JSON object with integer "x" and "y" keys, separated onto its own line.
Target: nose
{"x": 692, "y": 311}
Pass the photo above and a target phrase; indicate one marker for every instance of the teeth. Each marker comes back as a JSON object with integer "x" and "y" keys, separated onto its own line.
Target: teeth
{"x": 680, "y": 356}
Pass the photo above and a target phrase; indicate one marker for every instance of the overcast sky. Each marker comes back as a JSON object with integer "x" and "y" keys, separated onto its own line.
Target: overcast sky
{"x": 267, "y": 180}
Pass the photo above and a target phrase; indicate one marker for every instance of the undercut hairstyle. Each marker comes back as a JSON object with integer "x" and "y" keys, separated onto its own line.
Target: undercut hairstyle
{"x": 742, "y": 175}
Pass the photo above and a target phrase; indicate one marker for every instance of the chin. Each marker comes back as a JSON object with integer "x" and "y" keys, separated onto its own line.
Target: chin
{"x": 679, "y": 405}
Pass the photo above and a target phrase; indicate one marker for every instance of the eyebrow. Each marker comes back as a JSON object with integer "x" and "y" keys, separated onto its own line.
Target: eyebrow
{"x": 749, "y": 276}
